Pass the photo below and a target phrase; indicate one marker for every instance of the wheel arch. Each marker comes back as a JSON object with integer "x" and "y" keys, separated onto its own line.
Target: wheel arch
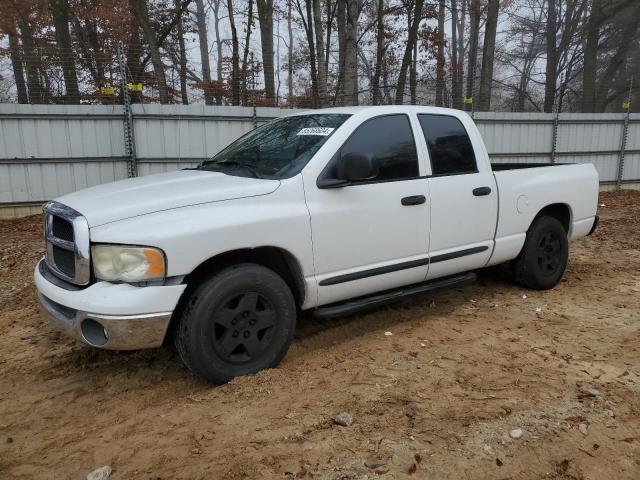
{"x": 559, "y": 211}
{"x": 277, "y": 259}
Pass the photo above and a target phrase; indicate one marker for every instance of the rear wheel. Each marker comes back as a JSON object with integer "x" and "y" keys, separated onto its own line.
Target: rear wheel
{"x": 238, "y": 322}
{"x": 543, "y": 259}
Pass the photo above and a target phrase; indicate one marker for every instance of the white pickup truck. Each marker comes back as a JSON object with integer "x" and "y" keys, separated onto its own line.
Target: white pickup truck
{"x": 330, "y": 211}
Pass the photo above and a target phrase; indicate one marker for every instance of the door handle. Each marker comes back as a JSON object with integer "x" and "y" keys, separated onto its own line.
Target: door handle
{"x": 480, "y": 191}
{"x": 413, "y": 200}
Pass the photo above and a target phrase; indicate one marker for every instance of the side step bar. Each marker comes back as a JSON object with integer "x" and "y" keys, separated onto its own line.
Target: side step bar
{"x": 379, "y": 299}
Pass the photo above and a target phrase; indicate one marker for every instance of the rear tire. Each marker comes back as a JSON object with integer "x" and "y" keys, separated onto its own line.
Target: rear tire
{"x": 543, "y": 259}
{"x": 238, "y": 322}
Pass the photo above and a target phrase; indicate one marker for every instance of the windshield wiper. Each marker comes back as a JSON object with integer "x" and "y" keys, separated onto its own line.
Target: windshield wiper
{"x": 233, "y": 163}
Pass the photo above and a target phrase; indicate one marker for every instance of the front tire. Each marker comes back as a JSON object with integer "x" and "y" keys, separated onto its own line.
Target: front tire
{"x": 238, "y": 322}
{"x": 543, "y": 259}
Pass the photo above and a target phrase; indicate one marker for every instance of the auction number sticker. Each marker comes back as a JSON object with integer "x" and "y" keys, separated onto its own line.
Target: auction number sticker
{"x": 320, "y": 131}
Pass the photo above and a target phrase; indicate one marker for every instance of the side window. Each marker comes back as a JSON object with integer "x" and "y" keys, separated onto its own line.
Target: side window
{"x": 449, "y": 145}
{"x": 390, "y": 140}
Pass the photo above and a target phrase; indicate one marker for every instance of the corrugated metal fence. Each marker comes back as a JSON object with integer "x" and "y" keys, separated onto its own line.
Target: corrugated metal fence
{"x": 49, "y": 150}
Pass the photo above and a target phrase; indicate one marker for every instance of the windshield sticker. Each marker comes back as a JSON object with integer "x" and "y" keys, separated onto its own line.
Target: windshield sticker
{"x": 321, "y": 131}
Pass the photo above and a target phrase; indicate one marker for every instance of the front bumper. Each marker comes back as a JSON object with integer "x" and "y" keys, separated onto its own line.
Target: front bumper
{"x": 110, "y": 316}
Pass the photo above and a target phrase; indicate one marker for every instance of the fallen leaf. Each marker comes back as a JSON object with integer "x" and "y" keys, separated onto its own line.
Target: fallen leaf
{"x": 412, "y": 468}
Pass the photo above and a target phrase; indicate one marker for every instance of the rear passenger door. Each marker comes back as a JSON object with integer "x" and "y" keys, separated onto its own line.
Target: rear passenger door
{"x": 463, "y": 199}
{"x": 371, "y": 235}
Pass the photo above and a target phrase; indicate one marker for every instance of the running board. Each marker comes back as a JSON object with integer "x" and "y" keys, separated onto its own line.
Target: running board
{"x": 379, "y": 299}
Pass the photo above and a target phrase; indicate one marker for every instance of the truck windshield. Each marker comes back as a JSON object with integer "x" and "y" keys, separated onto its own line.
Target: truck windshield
{"x": 277, "y": 149}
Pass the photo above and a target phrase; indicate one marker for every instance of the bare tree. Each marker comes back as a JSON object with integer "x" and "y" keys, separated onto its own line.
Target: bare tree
{"x": 60, "y": 11}
{"x": 341, "y": 18}
{"x": 440, "y": 77}
{"x": 320, "y": 53}
{"x": 307, "y": 23}
{"x": 265, "y": 18}
{"x": 140, "y": 11}
{"x": 474, "y": 32}
{"x": 488, "y": 54}
{"x": 411, "y": 41}
{"x": 203, "y": 43}
{"x": 456, "y": 88}
{"x": 235, "y": 57}
{"x": 551, "y": 78}
{"x": 18, "y": 69}
{"x": 350, "y": 75}
{"x": 183, "y": 54}
{"x": 245, "y": 54}
{"x": 375, "y": 81}
{"x": 290, "y": 50}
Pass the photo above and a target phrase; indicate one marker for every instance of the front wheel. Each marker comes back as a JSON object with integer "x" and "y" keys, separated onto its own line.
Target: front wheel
{"x": 239, "y": 321}
{"x": 543, "y": 258}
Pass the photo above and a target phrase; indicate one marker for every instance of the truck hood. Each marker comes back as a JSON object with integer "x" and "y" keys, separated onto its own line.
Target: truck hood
{"x": 132, "y": 197}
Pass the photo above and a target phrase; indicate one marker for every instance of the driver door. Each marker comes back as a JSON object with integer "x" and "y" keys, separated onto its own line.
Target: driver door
{"x": 371, "y": 235}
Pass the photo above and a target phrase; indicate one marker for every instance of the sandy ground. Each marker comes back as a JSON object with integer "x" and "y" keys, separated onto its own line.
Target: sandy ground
{"x": 437, "y": 399}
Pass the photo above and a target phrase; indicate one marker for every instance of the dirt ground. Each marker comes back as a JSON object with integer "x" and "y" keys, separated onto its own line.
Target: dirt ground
{"x": 436, "y": 399}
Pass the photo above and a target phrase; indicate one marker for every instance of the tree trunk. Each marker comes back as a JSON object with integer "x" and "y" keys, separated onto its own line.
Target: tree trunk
{"x": 461, "y": 50}
{"x": 141, "y": 12}
{"x": 307, "y": 23}
{"x": 456, "y": 94}
{"x": 342, "y": 44}
{"x": 375, "y": 81}
{"x": 203, "y": 41}
{"x": 474, "y": 31}
{"x": 488, "y": 54}
{"x": 18, "y": 69}
{"x": 235, "y": 57}
{"x": 290, "y": 51}
{"x": 245, "y": 56}
{"x": 551, "y": 77}
{"x": 265, "y": 17}
{"x": 37, "y": 92}
{"x": 440, "y": 77}
{"x": 627, "y": 27}
{"x": 183, "y": 55}
{"x": 322, "y": 73}
{"x": 413, "y": 76}
{"x": 406, "y": 58}
{"x": 591, "y": 57}
{"x": 60, "y": 11}
{"x": 351, "y": 52}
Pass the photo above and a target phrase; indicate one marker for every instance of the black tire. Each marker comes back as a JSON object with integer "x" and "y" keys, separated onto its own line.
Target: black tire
{"x": 238, "y": 322}
{"x": 543, "y": 259}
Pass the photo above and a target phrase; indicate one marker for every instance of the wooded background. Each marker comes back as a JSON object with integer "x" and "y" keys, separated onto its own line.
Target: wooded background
{"x": 508, "y": 55}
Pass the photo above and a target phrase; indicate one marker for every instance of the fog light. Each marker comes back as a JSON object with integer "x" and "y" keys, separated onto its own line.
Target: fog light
{"x": 94, "y": 333}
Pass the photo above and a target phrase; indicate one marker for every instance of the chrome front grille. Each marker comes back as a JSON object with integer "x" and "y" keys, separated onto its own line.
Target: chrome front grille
{"x": 66, "y": 234}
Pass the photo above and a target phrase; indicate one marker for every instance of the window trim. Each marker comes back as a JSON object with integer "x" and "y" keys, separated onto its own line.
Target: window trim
{"x": 337, "y": 154}
{"x": 436, "y": 175}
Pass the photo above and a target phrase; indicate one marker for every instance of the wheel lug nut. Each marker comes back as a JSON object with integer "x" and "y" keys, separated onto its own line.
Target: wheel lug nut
{"x": 235, "y": 333}
{"x": 246, "y": 334}
{"x": 252, "y": 322}
{"x": 234, "y": 321}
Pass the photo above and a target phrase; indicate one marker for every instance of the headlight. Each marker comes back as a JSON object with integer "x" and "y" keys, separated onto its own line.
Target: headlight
{"x": 127, "y": 264}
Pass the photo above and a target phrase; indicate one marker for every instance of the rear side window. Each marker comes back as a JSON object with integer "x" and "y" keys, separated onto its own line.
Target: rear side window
{"x": 390, "y": 140}
{"x": 449, "y": 145}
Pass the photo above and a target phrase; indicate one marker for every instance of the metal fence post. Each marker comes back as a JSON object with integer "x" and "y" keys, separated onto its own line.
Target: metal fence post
{"x": 625, "y": 135}
{"x": 554, "y": 139}
{"x": 129, "y": 136}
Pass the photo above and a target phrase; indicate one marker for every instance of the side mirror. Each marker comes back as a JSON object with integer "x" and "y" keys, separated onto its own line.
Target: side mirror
{"x": 354, "y": 167}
